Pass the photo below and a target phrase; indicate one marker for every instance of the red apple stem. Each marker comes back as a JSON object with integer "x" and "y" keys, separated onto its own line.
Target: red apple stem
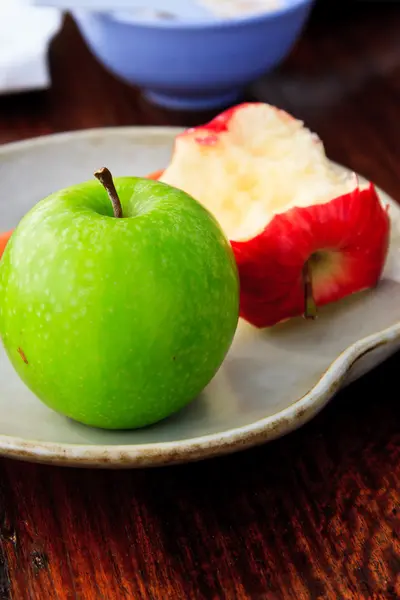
{"x": 310, "y": 308}
{"x": 105, "y": 178}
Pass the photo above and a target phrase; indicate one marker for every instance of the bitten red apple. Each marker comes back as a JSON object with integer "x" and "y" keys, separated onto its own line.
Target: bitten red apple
{"x": 303, "y": 231}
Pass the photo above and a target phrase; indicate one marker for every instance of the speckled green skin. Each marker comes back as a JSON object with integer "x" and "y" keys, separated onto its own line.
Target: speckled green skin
{"x": 122, "y": 321}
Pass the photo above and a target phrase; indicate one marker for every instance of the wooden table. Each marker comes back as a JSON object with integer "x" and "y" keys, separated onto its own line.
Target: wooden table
{"x": 315, "y": 515}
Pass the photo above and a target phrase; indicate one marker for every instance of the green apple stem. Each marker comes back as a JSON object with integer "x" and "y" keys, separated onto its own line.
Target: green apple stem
{"x": 105, "y": 178}
{"x": 310, "y": 308}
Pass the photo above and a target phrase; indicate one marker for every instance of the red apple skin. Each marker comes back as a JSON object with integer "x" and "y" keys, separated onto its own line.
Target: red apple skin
{"x": 208, "y": 133}
{"x": 156, "y": 174}
{"x": 4, "y": 237}
{"x": 352, "y": 229}
{"x": 216, "y": 126}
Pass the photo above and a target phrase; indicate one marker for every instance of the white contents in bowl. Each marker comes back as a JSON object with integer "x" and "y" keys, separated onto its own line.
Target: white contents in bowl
{"x": 229, "y": 9}
{"x": 143, "y": 14}
{"x": 198, "y": 10}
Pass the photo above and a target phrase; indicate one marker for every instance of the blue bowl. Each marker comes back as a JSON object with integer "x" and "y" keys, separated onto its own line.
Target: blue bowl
{"x": 193, "y": 65}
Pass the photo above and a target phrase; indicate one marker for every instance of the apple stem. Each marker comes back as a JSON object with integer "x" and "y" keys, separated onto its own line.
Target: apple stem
{"x": 105, "y": 178}
{"x": 310, "y": 308}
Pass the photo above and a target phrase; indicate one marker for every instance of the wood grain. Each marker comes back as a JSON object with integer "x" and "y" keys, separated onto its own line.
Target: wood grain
{"x": 315, "y": 515}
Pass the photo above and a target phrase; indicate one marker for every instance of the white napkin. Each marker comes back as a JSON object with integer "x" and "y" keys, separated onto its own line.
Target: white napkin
{"x": 25, "y": 33}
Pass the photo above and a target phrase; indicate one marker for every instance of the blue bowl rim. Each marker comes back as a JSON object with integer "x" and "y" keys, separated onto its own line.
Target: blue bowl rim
{"x": 218, "y": 23}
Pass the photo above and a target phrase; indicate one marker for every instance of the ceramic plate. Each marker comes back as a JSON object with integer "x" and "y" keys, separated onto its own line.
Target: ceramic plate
{"x": 271, "y": 382}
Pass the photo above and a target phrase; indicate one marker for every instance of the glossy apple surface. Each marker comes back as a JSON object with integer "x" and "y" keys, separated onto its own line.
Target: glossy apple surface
{"x": 5, "y": 236}
{"x": 117, "y": 323}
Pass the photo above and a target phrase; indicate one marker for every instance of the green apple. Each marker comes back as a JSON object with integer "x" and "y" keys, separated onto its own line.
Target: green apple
{"x": 117, "y": 314}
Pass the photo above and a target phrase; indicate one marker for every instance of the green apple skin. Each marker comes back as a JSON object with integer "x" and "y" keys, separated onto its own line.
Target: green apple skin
{"x": 118, "y": 323}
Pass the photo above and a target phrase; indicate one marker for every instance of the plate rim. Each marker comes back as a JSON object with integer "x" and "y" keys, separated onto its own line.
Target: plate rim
{"x": 198, "y": 448}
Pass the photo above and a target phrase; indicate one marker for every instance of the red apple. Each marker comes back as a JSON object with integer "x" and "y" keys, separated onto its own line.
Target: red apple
{"x": 303, "y": 232}
{"x": 4, "y": 237}
{"x": 155, "y": 175}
